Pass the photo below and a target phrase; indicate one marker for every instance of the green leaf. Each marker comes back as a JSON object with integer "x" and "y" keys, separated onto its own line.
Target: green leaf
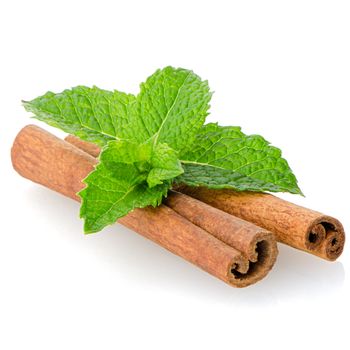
{"x": 173, "y": 104}
{"x": 92, "y": 114}
{"x": 159, "y": 162}
{"x": 223, "y": 157}
{"x": 114, "y": 189}
{"x": 128, "y": 152}
{"x": 165, "y": 165}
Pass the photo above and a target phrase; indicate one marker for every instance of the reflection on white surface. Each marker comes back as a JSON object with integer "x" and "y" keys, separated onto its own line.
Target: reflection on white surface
{"x": 144, "y": 263}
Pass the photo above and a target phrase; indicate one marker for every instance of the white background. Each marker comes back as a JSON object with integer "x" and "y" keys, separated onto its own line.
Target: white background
{"x": 278, "y": 68}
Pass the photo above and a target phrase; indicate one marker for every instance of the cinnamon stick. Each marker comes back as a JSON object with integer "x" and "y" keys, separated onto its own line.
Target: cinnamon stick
{"x": 299, "y": 227}
{"x": 88, "y": 147}
{"x": 254, "y": 242}
{"x": 60, "y": 166}
{"x": 296, "y": 226}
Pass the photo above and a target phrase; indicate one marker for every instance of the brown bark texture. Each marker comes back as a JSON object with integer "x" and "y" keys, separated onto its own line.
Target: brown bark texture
{"x": 45, "y": 159}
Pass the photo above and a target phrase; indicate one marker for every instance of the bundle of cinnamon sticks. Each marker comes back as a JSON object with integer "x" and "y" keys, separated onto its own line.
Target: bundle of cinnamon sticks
{"x": 232, "y": 235}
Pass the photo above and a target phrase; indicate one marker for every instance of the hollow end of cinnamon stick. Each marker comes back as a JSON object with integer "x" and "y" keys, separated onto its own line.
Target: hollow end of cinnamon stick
{"x": 45, "y": 159}
{"x": 266, "y": 252}
{"x": 332, "y": 244}
{"x": 244, "y": 272}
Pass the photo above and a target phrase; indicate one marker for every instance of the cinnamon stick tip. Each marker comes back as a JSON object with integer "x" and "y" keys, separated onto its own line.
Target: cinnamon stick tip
{"x": 326, "y": 237}
{"x": 261, "y": 236}
{"x": 14, "y": 148}
{"x": 244, "y": 273}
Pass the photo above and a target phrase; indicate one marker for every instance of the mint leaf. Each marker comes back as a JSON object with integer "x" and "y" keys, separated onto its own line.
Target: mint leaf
{"x": 165, "y": 165}
{"x": 92, "y": 114}
{"x": 224, "y": 157}
{"x": 173, "y": 104}
{"x": 128, "y": 152}
{"x": 114, "y": 189}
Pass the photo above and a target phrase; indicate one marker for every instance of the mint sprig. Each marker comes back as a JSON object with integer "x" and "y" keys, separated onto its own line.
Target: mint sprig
{"x": 155, "y": 139}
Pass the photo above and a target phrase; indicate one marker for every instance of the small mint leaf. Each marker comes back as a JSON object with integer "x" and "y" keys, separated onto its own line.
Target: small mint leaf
{"x": 124, "y": 151}
{"x": 165, "y": 165}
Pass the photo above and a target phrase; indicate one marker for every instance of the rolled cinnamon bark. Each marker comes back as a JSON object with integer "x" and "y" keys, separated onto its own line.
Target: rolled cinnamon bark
{"x": 88, "y": 147}
{"x": 253, "y": 241}
{"x": 299, "y": 227}
{"x": 60, "y": 166}
{"x": 296, "y": 226}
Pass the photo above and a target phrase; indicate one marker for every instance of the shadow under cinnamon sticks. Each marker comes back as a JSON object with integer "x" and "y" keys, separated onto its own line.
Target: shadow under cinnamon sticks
{"x": 60, "y": 166}
{"x": 296, "y": 226}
